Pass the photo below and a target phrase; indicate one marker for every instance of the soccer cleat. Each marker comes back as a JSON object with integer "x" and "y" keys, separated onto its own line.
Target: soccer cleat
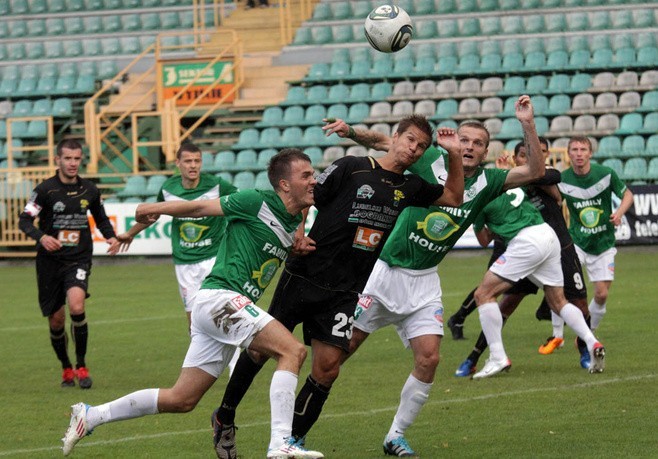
{"x": 467, "y": 368}
{"x": 456, "y": 328}
{"x": 84, "y": 380}
{"x": 585, "y": 360}
{"x": 290, "y": 450}
{"x": 223, "y": 438}
{"x": 492, "y": 367}
{"x": 597, "y": 365}
{"x": 551, "y": 344}
{"x": 398, "y": 447}
{"x": 77, "y": 427}
{"x": 68, "y": 377}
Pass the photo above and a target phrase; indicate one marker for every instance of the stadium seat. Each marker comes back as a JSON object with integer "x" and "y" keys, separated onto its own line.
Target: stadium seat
{"x": 135, "y": 187}
{"x": 62, "y": 107}
{"x": 315, "y": 114}
{"x": 292, "y": 136}
{"x": 627, "y": 80}
{"x": 631, "y": 123}
{"x": 379, "y": 110}
{"x": 224, "y": 161}
{"x": 536, "y": 84}
{"x": 633, "y": 145}
{"x": 647, "y": 56}
{"x": 447, "y": 28}
{"x": 248, "y": 138}
{"x": 561, "y": 125}
{"x": 425, "y": 88}
{"x": 358, "y": 112}
{"x": 651, "y": 147}
{"x": 649, "y": 101}
{"x": 272, "y": 116}
{"x": 445, "y": 109}
{"x": 615, "y": 164}
{"x": 650, "y": 125}
{"x": 605, "y": 102}
{"x": 338, "y": 93}
{"x": 609, "y": 147}
{"x": 247, "y": 159}
{"x": 244, "y": 180}
{"x": 22, "y": 108}
{"x": 293, "y": 115}
{"x": 513, "y": 62}
{"x": 333, "y": 153}
{"x": 607, "y": 123}
{"x": 511, "y": 128}
{"x": 652, "y": 173}
{"x": 629, "y": 100}
{"x": 635, "y": 169}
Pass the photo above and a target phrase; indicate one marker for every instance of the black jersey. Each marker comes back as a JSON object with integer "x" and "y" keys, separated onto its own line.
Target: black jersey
{"x": 549, "y": 207}
{"x": 358, "y": 203}
{"x": 62, "y": 211}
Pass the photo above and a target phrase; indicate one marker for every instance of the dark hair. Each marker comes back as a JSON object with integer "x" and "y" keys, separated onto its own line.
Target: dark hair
{"x": 544, "y": 141}
{"x": 580, "y": 139}
{"x": 188, "y": 147}
{"x": 477, "y": 125}
{"x": 517, "y": 148}
{"x": 419, "y": 121}
{"x": 70, "y": 144}
{"x": 279, "y": 167}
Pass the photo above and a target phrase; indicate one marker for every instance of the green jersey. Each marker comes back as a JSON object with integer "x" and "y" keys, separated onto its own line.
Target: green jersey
{"x": 258, "y": 239}
{"x": 422, "y": 236}
{"x": 508, "y": 214}
{"x": 589, "y": 200}
{"x": 195, "y": 239}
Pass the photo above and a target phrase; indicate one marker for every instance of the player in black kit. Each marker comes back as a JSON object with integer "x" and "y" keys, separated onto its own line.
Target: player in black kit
{"x": 64, "y": 250}
{"x": 544, "y": 196}
{"x": 358, "y": 201}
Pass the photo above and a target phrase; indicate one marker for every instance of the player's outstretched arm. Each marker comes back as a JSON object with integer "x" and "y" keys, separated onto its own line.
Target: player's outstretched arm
{"x": 125, "y": 239}
{"x": 626, "y": 203}
{"x": 149, "y": 212}
{"x": 535, "y": 167}
{"x": 367, "y": 138}
{"x": 453, "y": 190}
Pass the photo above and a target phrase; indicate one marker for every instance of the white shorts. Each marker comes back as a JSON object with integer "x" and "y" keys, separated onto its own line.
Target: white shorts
{"x": 599, "y": 267}
{"x": 533, "y": 253}
{"x": 190, "y": 278}
{"x": 411, "y": 300}
{"x": 222, "y": 320}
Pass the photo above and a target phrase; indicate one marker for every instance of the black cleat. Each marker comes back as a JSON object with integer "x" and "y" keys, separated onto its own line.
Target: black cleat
{"x": 223, "y": 438}
{"x": 543, "y": 312}
{"x": 457, "y": 329}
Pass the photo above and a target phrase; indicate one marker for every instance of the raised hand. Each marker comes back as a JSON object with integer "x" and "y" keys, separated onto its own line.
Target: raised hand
{"x": 524, "y": 110}
{"x": 447, "y": 138}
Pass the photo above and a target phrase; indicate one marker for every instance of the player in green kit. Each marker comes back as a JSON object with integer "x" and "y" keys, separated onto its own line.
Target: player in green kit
{"x": 404, "y": 288}
{"x": 587, "y": 189}
{"x": 259, "y": 237}
{"x": 194, "y": 241}
{"x": 533, "y": 251}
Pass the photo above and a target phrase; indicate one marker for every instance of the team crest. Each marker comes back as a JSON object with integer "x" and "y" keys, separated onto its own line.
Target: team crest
{"x": 267, "y": 271}
{"x": 59, "y": 206}
{"x": 192, "y": 232}
{"x": 84, "y": 204}
{"x": 438, "y": 226}
{"x": 397, "y": 197}
{"x": 365, "y": 192}
{"x": 590, "y": 216}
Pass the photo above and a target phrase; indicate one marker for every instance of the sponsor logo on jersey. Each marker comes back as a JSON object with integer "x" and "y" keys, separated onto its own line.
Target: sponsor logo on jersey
{"x": 437, "y": 226}
{"x": 367, "y": 238}
{"x": 191, "y": 232}
{"x": 364, "y": 303}
{"x": 59, "y": 207}
{"x": 438, "y": 314}
{"x": 264, "y": 276}
{"x": 590, "y": 216}
{"x": 611, "y": 267}
{"x": 68, "y": 237}
{"x": 84, "y": 204}
{"x": 397, "y": 197}
{"x": 240, "y": 302}
{"x": 501, "y": 260}
{"x": 365, "y": 192}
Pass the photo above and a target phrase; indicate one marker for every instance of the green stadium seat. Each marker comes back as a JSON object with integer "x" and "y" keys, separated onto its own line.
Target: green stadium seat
{"x": 650, "y": 125}
{"x": 446, "y": 108}
{"x": 321, "y": 35}
{"x": 466, "y": 6}
{"x": 338, "y": 93}
{"x": 20, "y": 6}
{"x": 446, "y": 65}
{"x": 264, "y": 157}
{"x": 535, "y": 61}
{"x": 75, "y": 5}
{"x": 132, "y": 45}
{"x": 512, "y": 25}
{"x": 131, "y": 22}
{"x": 262, "y": 181}
{"x": 558, "y": 43}
{"x": 248, "y": 159}
{"x": 647, "y": 57}
{"x": 624, "y": 57}
{"x": 92, "y": 47}
{"x": 511, "y": 129}
{"x": 513, "y": 85}
{"x": 359, "y": 92}
{"x": 303, "y": 36}
{"x": 422, "y": 7}
{"x": 342, "y": 10}
{"x": 16, "y": 51}
{"x": 17, "y": 29}
{"x": 643, "y": 18}
{"x": 315, "y": 114}
{"x": 557, "y": 61}
{"x": 615, "y": 164}
{"x": 602, "y": 59}
{"x": 490, "y": 26}
{"x": 342, "y": 33}
{"x": 315, "y": 154}
{"x": 65, "y": 85}
{"x": 293, "y": 115}
{"x": 337, "y": 111}
{"x": 30, "y": 72}
{"x": 559, "y": 104}
{"x": 111, "y": 45}
{"x": 651, "y": 147}
{"x": 556, "y": 22}
{"x": 248, "y": 138}
{"x": 113, "y": 4}
{"x": 224, "y": 161}
{"x": 447, "y": 49}
{"x": 533, "y": 23}
{"x": 540, "y": 104}
{"x": 72, "y": 48}
{"x": 292, "y": 136}
{"x": 36, "y": 129}
{"x": 27, "y": 86}
{"x": 633, "y": 145}
{"x": 600, "y": 20}
{"x": 8, "y": 87}
{"x": 244, "y": 180}
{"x": 469, "y": 27}
{"x": 403, "y": 67}
{"x": 150, "y": 21}
{"x": 425, "y": 29}
{"x": 577, "y": 21}
{"x": 85, "y": 84}
{"x": 380, "y": 90}
{"x": 22, "y": 108}
{"x": 425, "y": 66}
{"x": 317, "y": 94}
{"x": 447, "y": 6}
{"x": 112, "y": 23}
{"x": 512, "y": 62}
{"x": 358, "y": 112}
{"x": 272, "y": 116}
{"x": 54, "y": 49}
{"x": 609, "y": 147}
{"x": 635, "y": 169}
{"x": 580, "y": 82}
{"x": 536, "y": 84}
{"x": 579, "y": 59}
{"x": 322, "y": 12}
{"x": 92, "y": 24}
{"x": 649, "y": 102}
{"x": 447, "y": 28}
{"x": 558, "y": 83}
{"x": 62, "y": 108}
{"x": 135, "y": 187}
{"x": 169, "y": 20}
{"x": 48, "y": 69}
{"x": 74, "y": 25}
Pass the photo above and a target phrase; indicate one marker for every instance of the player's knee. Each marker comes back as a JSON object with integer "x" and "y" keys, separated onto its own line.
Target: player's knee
{"x": 480, "y": 296}
{"x": 298, "y": 352}
{"x": 326, "y": 372}
{"x": 427, "y": 363}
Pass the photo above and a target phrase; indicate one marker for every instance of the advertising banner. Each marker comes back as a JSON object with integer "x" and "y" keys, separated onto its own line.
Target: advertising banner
{"x": 176, "y": 76}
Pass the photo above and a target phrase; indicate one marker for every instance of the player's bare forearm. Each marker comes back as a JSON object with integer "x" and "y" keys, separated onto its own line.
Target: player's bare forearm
{"x": 535, "y": 167}
{"x": 203, "y": 208}
{"x": 453, "y": 190}
{"x": 367, "y": 138}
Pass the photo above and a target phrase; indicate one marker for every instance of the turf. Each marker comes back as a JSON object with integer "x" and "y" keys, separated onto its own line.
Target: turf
{"x": 546, "y": 406}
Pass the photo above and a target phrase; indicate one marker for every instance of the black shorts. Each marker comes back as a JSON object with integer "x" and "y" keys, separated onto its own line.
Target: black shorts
{"x": 55, "y": 277}
{"x": 574, "y": 282}
{"x": 326, "y": 315}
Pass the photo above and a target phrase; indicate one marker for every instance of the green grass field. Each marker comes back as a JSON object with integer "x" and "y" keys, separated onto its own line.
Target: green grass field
{"x": 546, "y": 406}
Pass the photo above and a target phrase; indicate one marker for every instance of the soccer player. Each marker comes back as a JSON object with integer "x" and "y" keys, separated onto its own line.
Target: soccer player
{"x": 358, "y": 201}
{"x": 587, "y": 189}
{"x": 544, "y": 196}
{"x": 533, "y": 251}
{"x": 404, "y": 288}
{"x": 261, "y": 227}
{"x": 194, "y": 241}
{"x": 64, "y": 252}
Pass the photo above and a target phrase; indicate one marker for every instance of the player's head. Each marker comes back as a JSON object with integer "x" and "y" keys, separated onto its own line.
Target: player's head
{"x": 520, "y": 157}
{"x": 579, "y": 149}
{"x": 474, "y": 143}
{"x": 68, "y": 158}
{"x": 412, "y": 137}
{"x": 544, "y": 145}
{"x": 188, "y": 161}
{"x": 290, "y": 172}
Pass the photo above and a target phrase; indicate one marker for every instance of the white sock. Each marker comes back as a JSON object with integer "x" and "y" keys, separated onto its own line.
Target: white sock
{"x": 282, "y": 406}
{"x": 575, "y": 320}
{"x": 129, "y": 406}
{"x": 492, "y": 325}
{"x": 596, "y": 313}
{"x": 414, "y": 395}
{"x": 558, "y": 325}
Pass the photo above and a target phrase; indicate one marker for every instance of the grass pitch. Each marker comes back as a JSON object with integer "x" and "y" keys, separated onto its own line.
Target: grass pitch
{"x": 546, "y": 406}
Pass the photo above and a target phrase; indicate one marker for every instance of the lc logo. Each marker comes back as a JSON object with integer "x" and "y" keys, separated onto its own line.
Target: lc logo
{"x": 68, "y": 237}
{"x": 367, "y": 239}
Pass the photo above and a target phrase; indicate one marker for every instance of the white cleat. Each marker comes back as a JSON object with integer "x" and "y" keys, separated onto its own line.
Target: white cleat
{"x": 493, "y": 367}
{"x": 77, "y": 427}
{"x": 291, "y": 450}
{"x": 597, "y": 365}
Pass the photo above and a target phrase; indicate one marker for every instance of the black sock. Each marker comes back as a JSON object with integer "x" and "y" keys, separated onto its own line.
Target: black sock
{"x": 582, "y": 347}
{"x": 308, "y": 406}
{"x": 80, "y": 333}
{"x": 59, "y": 340}
{"x": 465, "y": 309}
{"x": 243, "y": 375}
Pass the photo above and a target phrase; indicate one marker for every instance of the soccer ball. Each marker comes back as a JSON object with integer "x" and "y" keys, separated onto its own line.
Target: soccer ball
{"x": 388, "y": 28}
